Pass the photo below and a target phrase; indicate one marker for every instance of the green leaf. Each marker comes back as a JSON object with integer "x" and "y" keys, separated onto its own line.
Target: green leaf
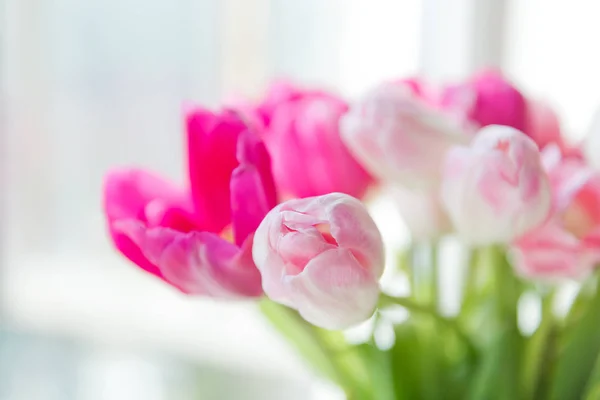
{"x": 540, "y": 353}
{"x": 592, "y": 391}
{"x": 578, "y": 351}
{"x": 326, "y": 351}
{"x": 406, "y": 361}
{"x": 302, "y": 336}
{"x": 379, "y": 366}
{"x": 497, "y": 377}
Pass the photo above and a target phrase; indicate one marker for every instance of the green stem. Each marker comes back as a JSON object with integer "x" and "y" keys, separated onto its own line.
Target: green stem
{"x": 470, "y": 290}
{"x": 411, "y": 305}
{"x": 498, "y": 374}
{"x": 434, "y": 268}
{"x": 542, "y": 351}
{"x": 579, "y": 351}
{"x": 316, "y": 347}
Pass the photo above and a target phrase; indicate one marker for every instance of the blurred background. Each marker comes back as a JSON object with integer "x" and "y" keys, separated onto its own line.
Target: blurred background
{"x": 89, "y": 85}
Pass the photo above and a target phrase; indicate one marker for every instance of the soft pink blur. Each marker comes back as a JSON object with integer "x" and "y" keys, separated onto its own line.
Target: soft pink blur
{"x": 198, "y": 239}
{"x": 300, "y": 129}
{"x": 568, "y": 244}
{"x": 487, "y": 98}
{"x": 322, "y": 256}
{"x": 399, "y": 136}
{"x": 496, "y": 189}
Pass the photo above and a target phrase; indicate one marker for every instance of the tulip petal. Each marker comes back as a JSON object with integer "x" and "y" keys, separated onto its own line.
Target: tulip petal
{"x": 197, "y": 262}
{"x": 348, "y": 222}
{"x": 252, "y": 187}
{"x": 334, "y": 291}
{"x": 550, "y": 253}
{"x": 212, "y": 141}
{"x": 495, "y": 190}
{"x": 127, "y": 193}
{"x": 493, "y": 100}
{"x": 398, "y": 137}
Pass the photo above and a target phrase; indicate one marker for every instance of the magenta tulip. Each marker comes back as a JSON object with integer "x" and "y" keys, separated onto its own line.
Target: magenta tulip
{"x": 198, "y": 239}
{"x": 302, "y": 135}
{"x": 487, "y": 98}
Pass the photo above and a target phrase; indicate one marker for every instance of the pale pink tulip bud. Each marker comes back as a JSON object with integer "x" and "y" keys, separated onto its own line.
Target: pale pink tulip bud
{"x": 322, "y": 256}
{"x": 496, "y": 189}
{"x": 399, "y": 137}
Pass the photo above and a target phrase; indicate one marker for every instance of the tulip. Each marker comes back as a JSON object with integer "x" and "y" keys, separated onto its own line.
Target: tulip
{"x": 495, "y": 190}
{"x": 322, "y": 256}
{"x": 568, "y": 244}
{"x": 398, "y": 137}
{"x": 487, "y": 98}
{"x": 197, "y": 239}
{"x": 303, "y": 138}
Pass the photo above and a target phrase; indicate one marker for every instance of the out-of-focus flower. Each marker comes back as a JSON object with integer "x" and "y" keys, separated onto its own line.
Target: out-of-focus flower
{"x": 542, "y": 125}
{"x": 568, "y": 244}
{"x": 198, "y": 240}
{"x": 322, "y": 256}
{"x": 496, "y": 190}
{"x": 487, "y": 98}
{"x": 399, "y": 137}
{"x": 302, "y": 135}
{"x": 422, "y": 212}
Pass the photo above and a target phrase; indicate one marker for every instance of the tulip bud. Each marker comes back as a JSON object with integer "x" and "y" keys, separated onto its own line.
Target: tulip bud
{"x": 322, "y": 256}
{"x": 495, "y": 190}
{"x": 398, "y": 137}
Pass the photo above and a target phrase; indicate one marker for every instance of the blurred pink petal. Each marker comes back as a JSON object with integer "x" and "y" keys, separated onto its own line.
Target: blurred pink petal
{"x": 322, "y": 256}
{"x": 127, "y": 195}
{"x": 198, "y": 263}
{"x": 487, "y": 98}
{"x": 303, "y": 139}
{"x": 568, "y": 244}
{"x": 400, "y": 138}
{"x": 542, "y": 124}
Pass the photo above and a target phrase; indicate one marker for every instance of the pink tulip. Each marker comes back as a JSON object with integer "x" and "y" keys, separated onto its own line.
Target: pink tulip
{"x": 303, "y": 139}
{"x": 322, "y": 256}
{"x": 487, "y": 98}
{"x": 568, "y": 244}
{"x": 399, "y": 137}
{"x": 198, "y": 240}
{"x": 495, "y": 190}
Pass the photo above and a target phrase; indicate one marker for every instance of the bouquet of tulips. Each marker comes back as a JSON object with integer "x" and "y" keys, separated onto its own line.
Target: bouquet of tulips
{"x": 275, "y": 212}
